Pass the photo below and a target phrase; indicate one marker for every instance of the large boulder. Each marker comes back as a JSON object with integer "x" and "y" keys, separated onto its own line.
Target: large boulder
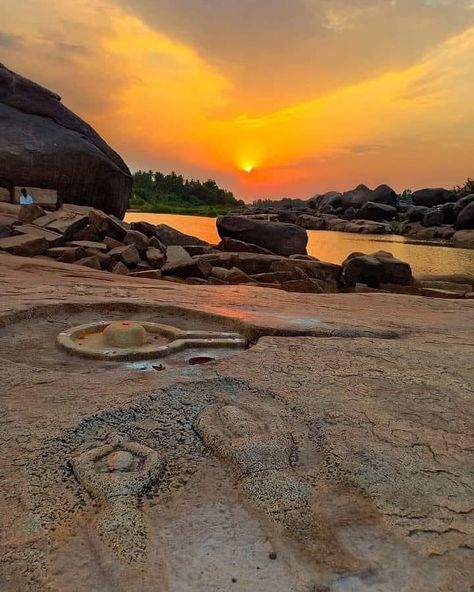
{"x": 377, "y": 211}
{"x": 356, "y": 198}
{"x": 462, "y": 203}
{"x": 465, "y": 218}
{"x": 439, "y": 215}
{"x": 464, "y": 238}
{"x": 45, "y": 145}
{"x": 325, "y": 203}
{"x": 373, "y": 270}
{"x": 277, "y": 237}
{"x": 384, "y": 194}
{"x": 287, "y": 217}
{"x": 311, "y": 222}
{"x": 432, "y": 197}
{"x": 171, "y": 237}
{"x": 232, "y": 245}
{"x": 415, "y": 213}
{"x": 24, "y": 245}
{"x": 359, "y": 196}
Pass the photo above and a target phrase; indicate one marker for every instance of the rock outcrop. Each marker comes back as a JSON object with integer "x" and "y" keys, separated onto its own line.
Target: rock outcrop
{"x": 43, "y": 144}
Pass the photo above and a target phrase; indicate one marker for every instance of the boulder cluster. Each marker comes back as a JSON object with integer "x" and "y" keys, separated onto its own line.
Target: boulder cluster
{"x": 425, "y": 214}
{"x": 276, "y": 257}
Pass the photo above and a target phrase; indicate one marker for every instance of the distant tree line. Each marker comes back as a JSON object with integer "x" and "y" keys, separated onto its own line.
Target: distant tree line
{"x": 154, "y": 191}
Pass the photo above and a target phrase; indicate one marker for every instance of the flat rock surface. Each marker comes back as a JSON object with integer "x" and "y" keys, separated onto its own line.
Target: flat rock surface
{"x": 333, "y": 454}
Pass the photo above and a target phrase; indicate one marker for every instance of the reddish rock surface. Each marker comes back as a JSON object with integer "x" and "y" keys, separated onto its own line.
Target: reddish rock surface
{"x": 335, "y": 451}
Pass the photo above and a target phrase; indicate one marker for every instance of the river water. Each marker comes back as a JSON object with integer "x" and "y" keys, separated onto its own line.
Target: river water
{"x": 424, "y": 258}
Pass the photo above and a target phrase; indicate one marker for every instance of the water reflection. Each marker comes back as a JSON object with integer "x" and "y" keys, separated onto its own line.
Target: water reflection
{"x": 424, "y": 257}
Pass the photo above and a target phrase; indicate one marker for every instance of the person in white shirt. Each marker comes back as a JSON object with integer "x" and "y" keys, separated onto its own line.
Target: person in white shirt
{"x": 25, "y": 198}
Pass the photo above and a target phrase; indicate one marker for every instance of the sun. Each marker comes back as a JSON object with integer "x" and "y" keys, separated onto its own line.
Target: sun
{"x": 248, "y": 168}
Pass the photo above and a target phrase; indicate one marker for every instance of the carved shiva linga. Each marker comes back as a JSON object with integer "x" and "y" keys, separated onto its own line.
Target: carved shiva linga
{"x": 130, "y": 340}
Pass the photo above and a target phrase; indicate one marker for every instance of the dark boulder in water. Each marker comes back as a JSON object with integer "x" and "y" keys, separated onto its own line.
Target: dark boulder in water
{"x": 277, "y": 237}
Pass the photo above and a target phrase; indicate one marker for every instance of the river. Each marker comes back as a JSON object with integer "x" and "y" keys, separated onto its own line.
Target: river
{"x": 424, "y": 258}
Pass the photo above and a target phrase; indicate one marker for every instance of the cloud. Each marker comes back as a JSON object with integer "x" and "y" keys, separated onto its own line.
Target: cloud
{"x": 278, "y": 52}
{"x": 66, "y": 47}
{"x": 366, "y": 148}
{"x": 66, "y": 40}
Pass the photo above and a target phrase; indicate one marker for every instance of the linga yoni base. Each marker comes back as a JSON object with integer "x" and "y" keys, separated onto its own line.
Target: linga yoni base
{"x": 131, "y": 340}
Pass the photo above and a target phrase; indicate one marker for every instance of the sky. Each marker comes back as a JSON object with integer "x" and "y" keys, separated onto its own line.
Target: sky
{"x": 271, "y": 98}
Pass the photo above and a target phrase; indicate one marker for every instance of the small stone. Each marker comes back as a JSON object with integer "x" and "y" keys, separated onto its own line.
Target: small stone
{"x": 68, "y": 226}
{"x": 88, "y": 233}
{"x": 24, "y": 245}
{"x": 155, "y": 257}
{"x": 91, "y": 261}
{"x": 272, "y": 555}
{"x": 128, "y": 254}
{"x": 134, "y": 237}
{"x": 119, "y": 268}
{"x": 177, "y": 256}
{"x": 112, "y": 243}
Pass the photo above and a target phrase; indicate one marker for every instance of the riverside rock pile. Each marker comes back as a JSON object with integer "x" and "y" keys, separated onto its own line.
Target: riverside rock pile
{"x": 91, "y": 238}
{"x": 425, "y": 214}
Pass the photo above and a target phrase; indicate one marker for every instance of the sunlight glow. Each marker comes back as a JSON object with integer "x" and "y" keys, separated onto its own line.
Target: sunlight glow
{"x": 163, "y": 103}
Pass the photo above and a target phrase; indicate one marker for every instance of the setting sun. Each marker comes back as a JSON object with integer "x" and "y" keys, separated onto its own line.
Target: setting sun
{"x": 248, "y": 168}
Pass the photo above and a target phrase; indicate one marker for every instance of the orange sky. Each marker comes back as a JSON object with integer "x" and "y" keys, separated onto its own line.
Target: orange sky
{"x": 271, "y": 98}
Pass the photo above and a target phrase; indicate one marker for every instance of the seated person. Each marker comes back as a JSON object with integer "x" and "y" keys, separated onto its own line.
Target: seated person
{"x": 25, "y": 198}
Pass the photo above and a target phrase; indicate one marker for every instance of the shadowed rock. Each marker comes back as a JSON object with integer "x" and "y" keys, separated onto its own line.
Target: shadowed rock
{"x": 45, "y": 145}
{"x": 373, "y": 270}
{"x": 432, "y": 197}
{"x": 279, "y": 238}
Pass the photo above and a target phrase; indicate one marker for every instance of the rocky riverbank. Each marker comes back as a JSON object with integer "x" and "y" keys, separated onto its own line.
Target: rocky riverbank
{"x": 251, "y": 252}
{"x": 426, "y": 214}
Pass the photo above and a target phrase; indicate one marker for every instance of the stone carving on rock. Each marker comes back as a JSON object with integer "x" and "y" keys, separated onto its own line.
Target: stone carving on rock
{"x": 260, "y": 452}
{"x": 117, "y": 474}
